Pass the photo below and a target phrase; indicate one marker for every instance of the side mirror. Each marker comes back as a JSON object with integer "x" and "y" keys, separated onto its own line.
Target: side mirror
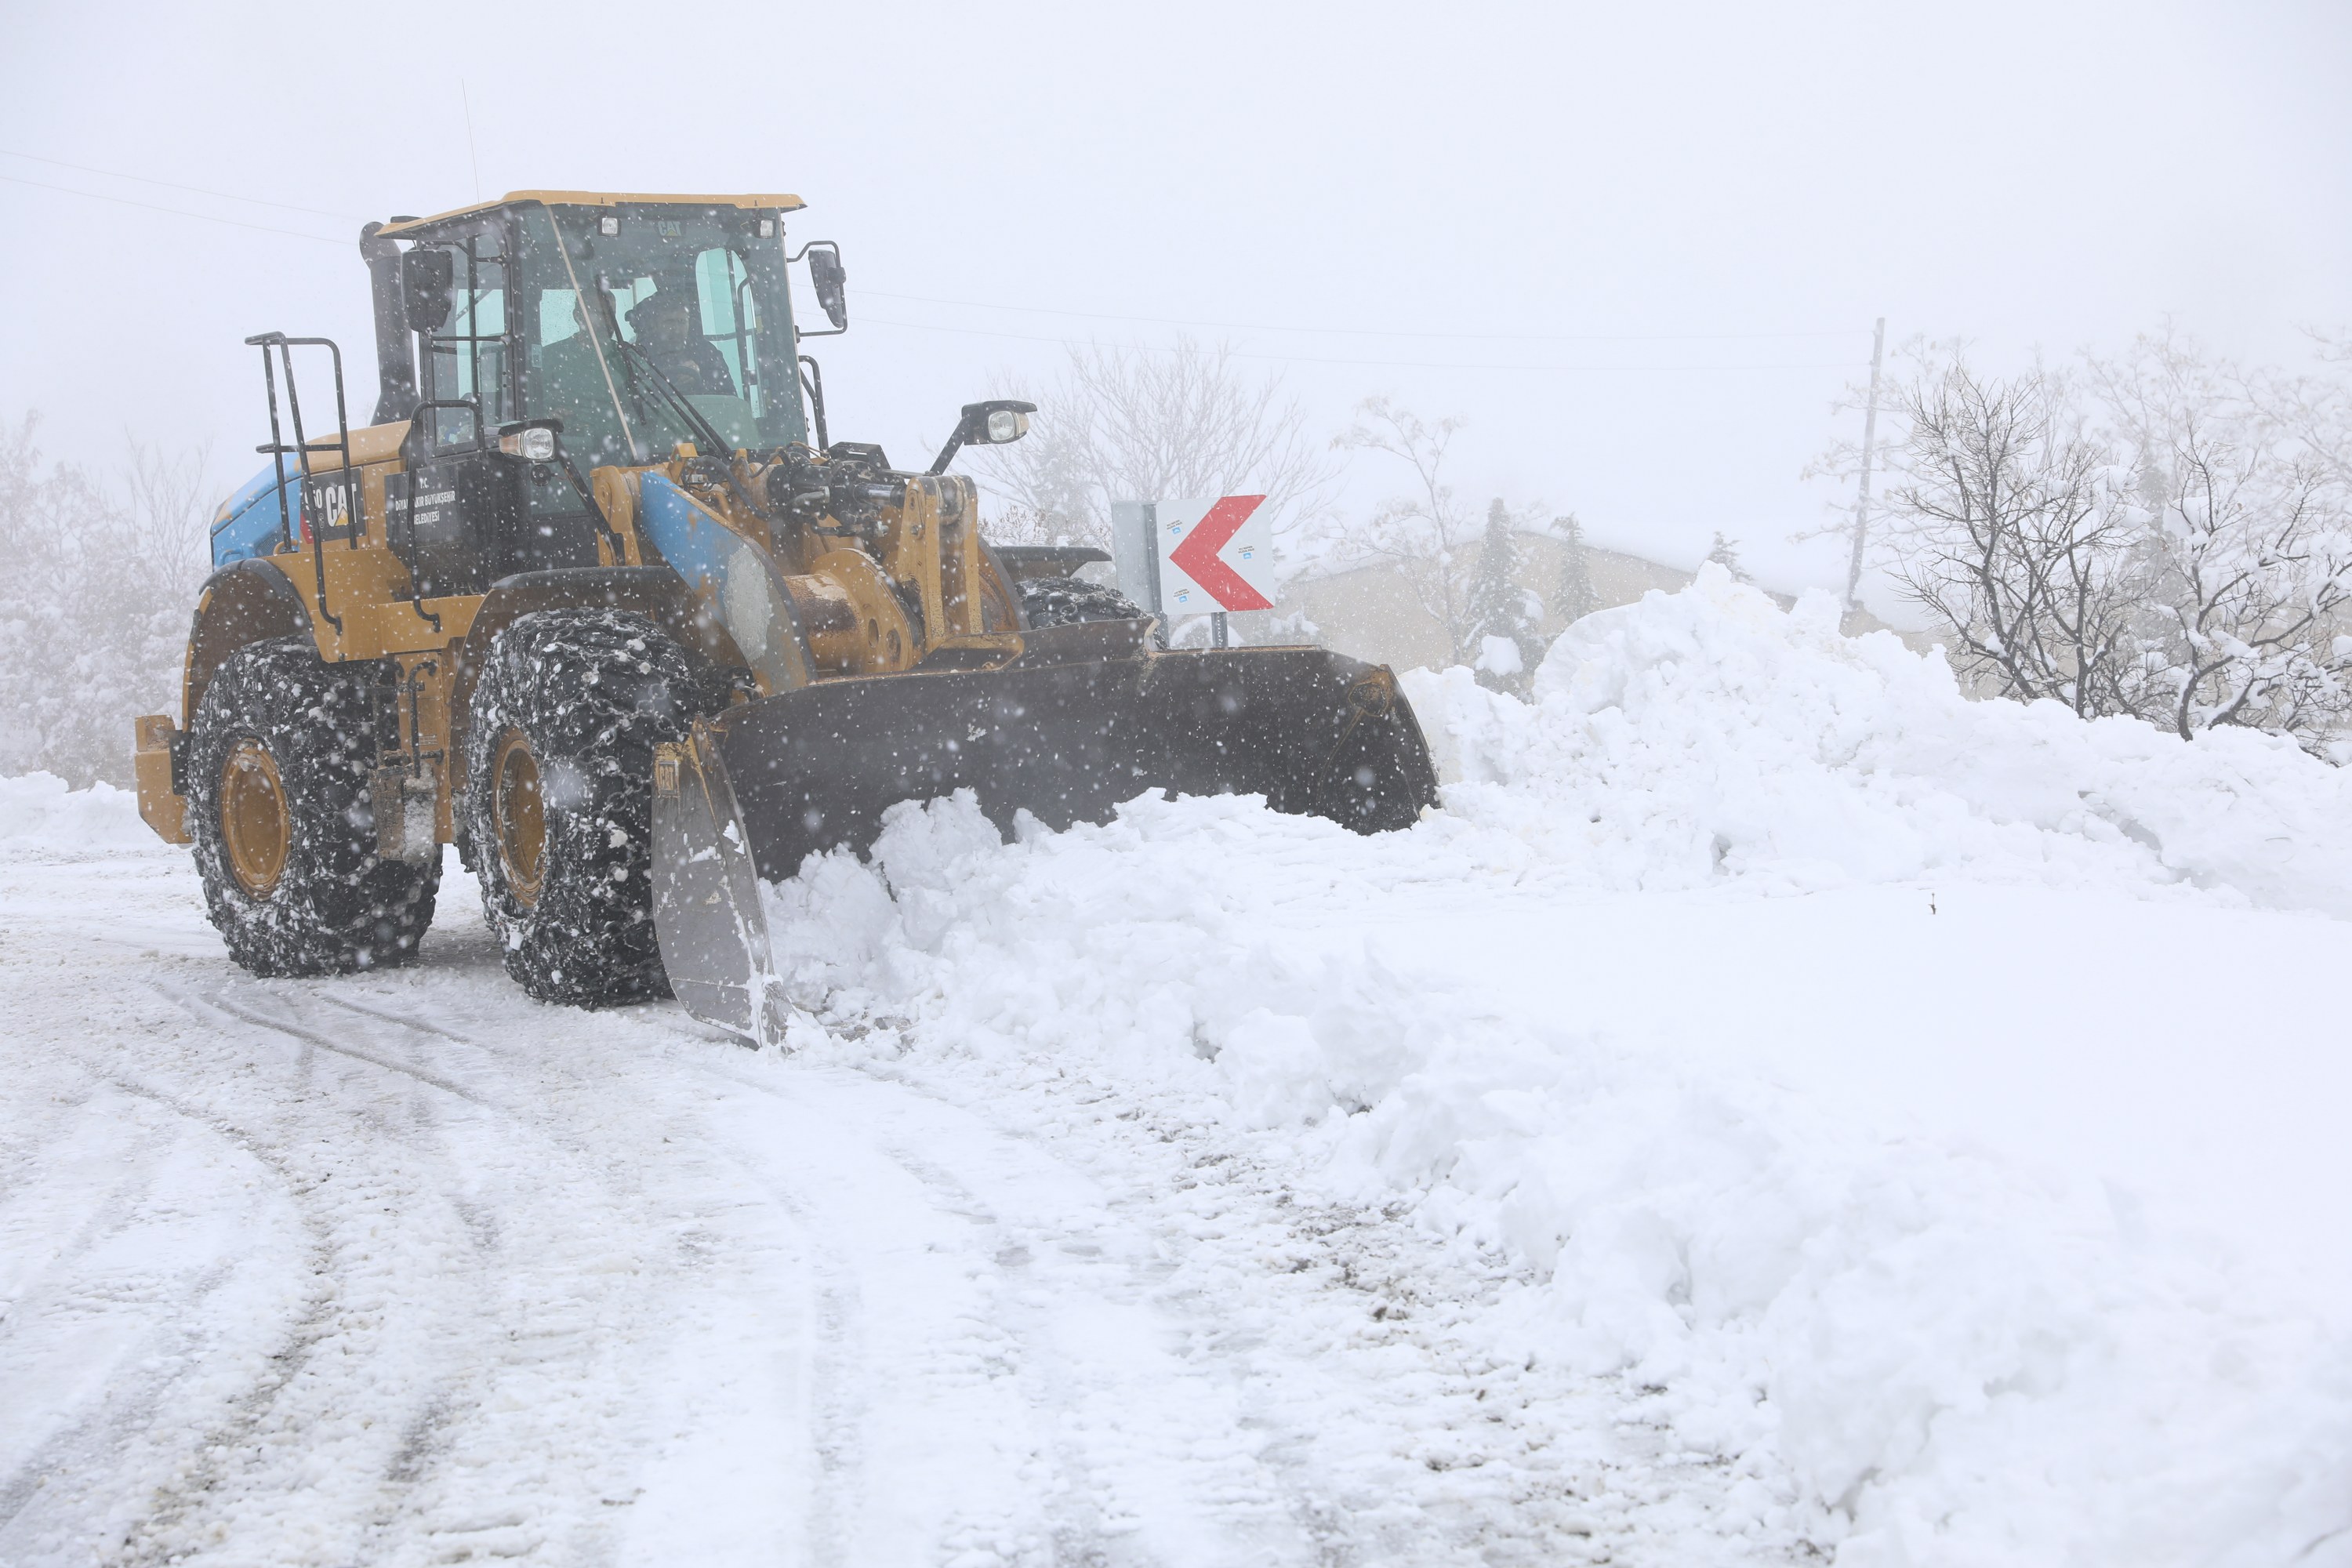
{"x": 428, "y": 276}
{"x": 830, "y": 280}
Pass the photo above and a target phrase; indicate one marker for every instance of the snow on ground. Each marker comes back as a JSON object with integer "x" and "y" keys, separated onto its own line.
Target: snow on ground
{"x": 1985, "y": 1199}
{"x": 1775, "y": 1111}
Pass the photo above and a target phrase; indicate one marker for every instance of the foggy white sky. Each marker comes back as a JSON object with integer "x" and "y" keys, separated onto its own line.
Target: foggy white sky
{"x": 1661, "y": 187}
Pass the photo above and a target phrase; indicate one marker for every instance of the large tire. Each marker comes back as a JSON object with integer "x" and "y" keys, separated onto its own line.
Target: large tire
{"x": 1063, "y": 601}
{"x": 559, "y": 796}
{"x": 277, "y": 767}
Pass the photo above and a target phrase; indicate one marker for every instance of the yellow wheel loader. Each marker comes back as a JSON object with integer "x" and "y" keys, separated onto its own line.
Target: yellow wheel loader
{"x": 595, "y": 597}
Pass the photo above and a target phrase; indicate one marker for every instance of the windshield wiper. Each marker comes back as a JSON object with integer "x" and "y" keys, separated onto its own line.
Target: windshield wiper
{"x": 703, "y": 430}
{"x": 705, "y": 433}
{"x": 714, "y": 445}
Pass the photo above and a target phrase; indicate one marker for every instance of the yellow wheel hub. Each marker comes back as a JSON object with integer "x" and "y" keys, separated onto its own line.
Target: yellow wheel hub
{"x": 520, "y": 813}
{"x": 256, "y": 827}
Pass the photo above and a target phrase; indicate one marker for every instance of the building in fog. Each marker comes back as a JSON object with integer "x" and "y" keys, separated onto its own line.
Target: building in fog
{"x": 1370, "y": 611}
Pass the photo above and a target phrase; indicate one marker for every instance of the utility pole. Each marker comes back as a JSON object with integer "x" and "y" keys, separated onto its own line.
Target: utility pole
{"x": 1869, "y": 444}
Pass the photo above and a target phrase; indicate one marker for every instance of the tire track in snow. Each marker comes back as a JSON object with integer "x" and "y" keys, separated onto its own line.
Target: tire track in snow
{"x": 900, "y": 1343}
{"x": 361, "y": 1455}
{"x": 1134, "y": 1431}
{"x": 1280, "y": 1474}
{"x": 178, "y": 1499}
{"x": 1280, "y": 1477}
{"x": 593, "y": 1097}
{"x": 311, "y": 1038}
{"x": 838, "y": 1349}
{"x": 625, "y": 1063}
{"x": 1491, "y": 1462}
{"x": 248, "y": 1409}
{"x": 836, "y": 1409}
{"x": 1075, "y": 1493}
{"x": 458, "y": 1311}
{"x": 143, "y": 1375}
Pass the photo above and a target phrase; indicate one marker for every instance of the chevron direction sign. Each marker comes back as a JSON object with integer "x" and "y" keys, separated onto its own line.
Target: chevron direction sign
{"x": 1215, "y": 554}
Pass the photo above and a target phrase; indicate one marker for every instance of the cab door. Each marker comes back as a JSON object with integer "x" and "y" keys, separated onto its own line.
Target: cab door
{"x": 459, "y": 501}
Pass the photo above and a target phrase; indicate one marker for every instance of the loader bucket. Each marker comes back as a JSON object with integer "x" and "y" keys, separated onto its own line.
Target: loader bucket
{"x": 1087, "y": 719}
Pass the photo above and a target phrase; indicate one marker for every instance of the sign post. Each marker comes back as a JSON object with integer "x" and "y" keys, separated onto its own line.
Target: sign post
{"x": 1134, "y": 554}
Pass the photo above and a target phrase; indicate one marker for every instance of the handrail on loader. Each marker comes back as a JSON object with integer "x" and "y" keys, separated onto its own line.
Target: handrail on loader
{"x": 278, "y": 451}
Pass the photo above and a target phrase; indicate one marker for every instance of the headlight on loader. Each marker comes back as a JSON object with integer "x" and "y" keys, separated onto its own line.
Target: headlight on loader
{"x": 536, "y": 445}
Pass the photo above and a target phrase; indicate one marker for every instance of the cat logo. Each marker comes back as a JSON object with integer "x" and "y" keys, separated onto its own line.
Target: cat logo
{"x": 327, "y": 507}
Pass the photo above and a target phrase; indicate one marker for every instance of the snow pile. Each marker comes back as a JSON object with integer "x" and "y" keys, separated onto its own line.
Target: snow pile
{"x": 1906, "y": 1347}
{"x": 37, "y": 810}
{"x": 1710, "y": 732}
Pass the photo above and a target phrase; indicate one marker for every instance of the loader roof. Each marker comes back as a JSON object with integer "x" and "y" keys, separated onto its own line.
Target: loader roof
{"x": 776, "y": 201}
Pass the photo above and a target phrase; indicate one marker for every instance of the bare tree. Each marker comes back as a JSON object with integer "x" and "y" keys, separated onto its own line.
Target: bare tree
{"x": 2006, "y": 525}
{"x": 1427, "y": 534}
{"x": 2247, "y": 529}
{"x": 2313, "y": 411}
{"x": 1138, "y": 424}
{"x": 2165, "y": 535}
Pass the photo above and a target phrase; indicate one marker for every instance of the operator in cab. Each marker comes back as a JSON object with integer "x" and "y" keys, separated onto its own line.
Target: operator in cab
{"x": 662, "y": 324}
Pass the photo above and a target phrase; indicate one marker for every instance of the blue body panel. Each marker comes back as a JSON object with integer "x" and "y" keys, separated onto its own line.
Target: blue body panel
{"x": 739, "y": 582}
{"x": 253, "y": 518}
{"x": 697, "y": 546}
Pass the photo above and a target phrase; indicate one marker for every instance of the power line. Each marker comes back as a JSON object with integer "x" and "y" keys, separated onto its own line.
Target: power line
{"x": 979, "y": 304}
{"x": 1033, "y": 310}
{"x": 175, "y": 211}
{"x": 1365, "y": 332}
{"x": 1377, "y": 363}
{"x": 169, "y": 184}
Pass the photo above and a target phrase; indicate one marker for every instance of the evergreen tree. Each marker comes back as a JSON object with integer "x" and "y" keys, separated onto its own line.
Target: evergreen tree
{"x": 1726, "y": 554}
{"x": 1576, "y": 595}
{"x": 1500, "y": 608}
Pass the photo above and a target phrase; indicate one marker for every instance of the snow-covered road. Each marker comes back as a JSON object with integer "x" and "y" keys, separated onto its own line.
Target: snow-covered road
{"x": 405, "y": 1268}
{"x": 1777, "y": 1112}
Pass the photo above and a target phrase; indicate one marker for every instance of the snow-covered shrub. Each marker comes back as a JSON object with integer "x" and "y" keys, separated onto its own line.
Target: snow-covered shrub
{"x": 100, "y": 584}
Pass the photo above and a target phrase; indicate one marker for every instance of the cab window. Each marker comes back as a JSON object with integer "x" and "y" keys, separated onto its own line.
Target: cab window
{"x": 653, "y": 310}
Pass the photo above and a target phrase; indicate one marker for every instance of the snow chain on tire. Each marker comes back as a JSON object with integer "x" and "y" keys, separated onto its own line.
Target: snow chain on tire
{"x": 275, "y": 771}
{"x": 1062, "y": 600}
{"x": 559, "y": 796}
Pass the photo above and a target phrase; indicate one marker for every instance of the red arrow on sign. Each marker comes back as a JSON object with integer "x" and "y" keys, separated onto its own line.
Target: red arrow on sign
{"x": 1197, "y": 556}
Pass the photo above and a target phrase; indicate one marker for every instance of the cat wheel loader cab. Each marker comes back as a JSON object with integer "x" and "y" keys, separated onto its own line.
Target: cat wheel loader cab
{"x": 595, "y": 597}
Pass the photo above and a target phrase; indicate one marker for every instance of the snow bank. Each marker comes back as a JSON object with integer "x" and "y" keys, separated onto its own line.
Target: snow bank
{"x": 1711, "y": 733}
{"x": 1936, "y": 1358}
{"x": 39, "y": 809}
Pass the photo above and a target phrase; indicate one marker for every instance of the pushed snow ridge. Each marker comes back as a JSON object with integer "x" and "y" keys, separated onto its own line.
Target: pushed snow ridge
{"x": 1807, "y": 1040}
